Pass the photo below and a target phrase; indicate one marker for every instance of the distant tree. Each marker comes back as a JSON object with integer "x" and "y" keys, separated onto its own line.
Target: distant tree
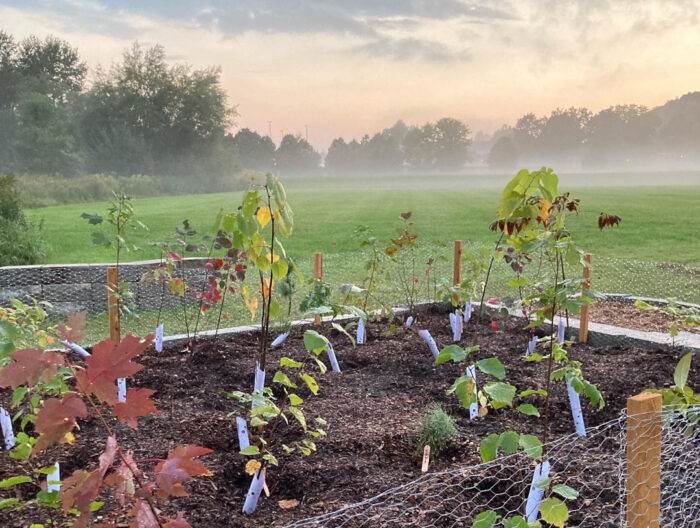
{"x": 398, "y": 131}
{"x": 383, "y": 153}
{"x": 503, "y": 154}
{"x": 417, "y": 146}
{"x": 340, "y": 158}
{"x": 450, "y": 142}
{"x": 563, "y": 135}
{"x": 295, "y": 154}
{"x": 526, "y": 132}
{"x": 254, "y": 151}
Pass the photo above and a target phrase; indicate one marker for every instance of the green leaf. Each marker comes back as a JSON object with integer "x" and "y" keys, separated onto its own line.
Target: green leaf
{"x": 287, "y": 362}
{"x": 554, "y": 511}
{"x": 680, "y": 375}
{"x": 530, "y": 392}
{"x": 535, "y": 357}
{"x": 509, "y": 442}
{"x": 13, "y": 481}
{"x": 641, "y": 304}
{"x": 543, "y": 483}
{"x": 270, "y": 459}
{"x": 532, "y": 446}
{"x": 485, "y": 519}
{"x": 280, "y": 269}
{"x": 250, "y": 451}
{"x": 343, "y": 331}
{"x": 283, "y": 379}
{"x": 673, "y": 329}
{"x": 6, "y": 503}
{"x": 274, "y": 308}
{"x": 311, "y": 383}
{"x": 451, "y": 353}
{"x": 489, "y": 447}
{"x": 502, "y": 394}
{"x": 528, "y": 409}
{"x": 492, "y": 366}
{"x": 294, "y": 399}
{"x": 315, "y": 342}
{"x": 299, "y": 415}
{"x": 92, "y": 218}
{"x": 516, "y": 522}
{"x": 250, "y": 204}
{"x": 565, "y": 491}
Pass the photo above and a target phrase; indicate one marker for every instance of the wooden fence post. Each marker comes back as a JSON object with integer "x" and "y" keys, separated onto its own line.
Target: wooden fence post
{"x": 644, "y": 461}
{"x": 585, "y": 309}
{"x": 113, "y": 303}
{"x": 318, "y": 276}
{"x": 457, "y": 270}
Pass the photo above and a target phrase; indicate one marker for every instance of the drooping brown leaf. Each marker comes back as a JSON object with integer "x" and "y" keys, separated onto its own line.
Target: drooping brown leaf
{"x": 288, "y": 504}
{"x": 122, "y": 478}
{"x": 56, "y": 418}
{"x": 28, "y": 366}
{"x": 75, "y": 330}
{"x": 178, "y": 522}
{"x": 142, "y": 516}
{"x": 138, "y": 403}
{"x": 180, "y": 466}
{"x": 608, "y": 220}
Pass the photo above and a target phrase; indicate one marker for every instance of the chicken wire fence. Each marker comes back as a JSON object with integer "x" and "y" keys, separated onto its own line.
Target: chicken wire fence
{"x": 73, "y": 288}
{"x": 596, "y": 466}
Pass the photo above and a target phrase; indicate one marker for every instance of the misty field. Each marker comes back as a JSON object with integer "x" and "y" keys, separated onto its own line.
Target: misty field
{"x": 659, "y": 221}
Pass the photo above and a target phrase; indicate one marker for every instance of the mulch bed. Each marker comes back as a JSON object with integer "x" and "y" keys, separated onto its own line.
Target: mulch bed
{"x": 627, "y": 315}
{"x": 370, "y": 408}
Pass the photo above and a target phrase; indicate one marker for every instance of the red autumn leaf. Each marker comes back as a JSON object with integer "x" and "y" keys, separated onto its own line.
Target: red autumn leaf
{"x": 494, "y": 325}
{"x": 75, "y": 330}
{"x": 56, "y": 418}
{"x": 180, "y": 466}
{"x": 178, "y": 522}
{"x": 108, "y": 363}
{"x": 143, "y": 516}
{"x": 122, "y": 478}
{"x": 137, "y": 404}
{"x": 174, "y": 256}
{"x": 28, "y": 366}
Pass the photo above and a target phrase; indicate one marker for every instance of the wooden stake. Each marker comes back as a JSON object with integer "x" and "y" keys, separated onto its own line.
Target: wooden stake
{"x": 112, "y": 303}
{"x": 644, "y": 461}
{"x": 457, "y": 271}
{"x": 318, "y": 276}
{"x": 585, "y": 309}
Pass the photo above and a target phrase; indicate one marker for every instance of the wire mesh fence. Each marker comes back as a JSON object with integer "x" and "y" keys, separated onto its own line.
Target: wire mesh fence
{"x": 83, "y": 287}
{"x": 596, "y": 466}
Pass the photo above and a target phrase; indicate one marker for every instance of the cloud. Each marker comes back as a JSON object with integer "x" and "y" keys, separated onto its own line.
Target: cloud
{"x": 410, "y": 49}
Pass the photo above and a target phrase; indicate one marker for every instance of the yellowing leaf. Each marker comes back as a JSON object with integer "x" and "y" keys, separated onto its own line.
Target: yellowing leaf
{"x": 252, "y": 467}
{"x": 266, "y": 286}
{"x": 271, "y": 258}
{"x": 545, "y": 207}
{"x": 69, "y": 438}
{"x": 264, "y": 216}
{"x": 287, "y": 504}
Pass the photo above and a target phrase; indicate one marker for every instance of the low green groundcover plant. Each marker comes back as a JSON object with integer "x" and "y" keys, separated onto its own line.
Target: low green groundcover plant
{"x": 435, "y": 429}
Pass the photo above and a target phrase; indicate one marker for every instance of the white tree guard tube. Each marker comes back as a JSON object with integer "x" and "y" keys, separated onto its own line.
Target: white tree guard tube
{"x": 576, "y": 412}
{"x": 7, "y": 433}
{"x": 431, "y": 342}
{"x": 535, "y": 495}
{"x": 532, "y": 344}
{"x": 259, "y": 382}
{"x": 467, "y": 311}
{"x": 334, "y": 361}
{"x": 361, "y": 332}
{"x": 52, "y": 478}
{"x": 456, "y": 325}
{"x": 121, "y": 386}
{"x": 409, "y": 320}
{"x": 561, "y": 331}
{"x": 254, "y": 492}
{"x": 243, "y": 440}
{"x": 474, "y": 406}
{"x": 279, "y": 339}
{"x": 76, "y": 348}
{"x": 159, "y": 338}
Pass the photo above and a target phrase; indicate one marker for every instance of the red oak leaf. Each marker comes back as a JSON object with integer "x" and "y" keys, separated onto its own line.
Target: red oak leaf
{"x": 123, "y": 478}
{"x": 28, "y": 366}
{"x": 137, "y": 404}
{"x": 180, "y": 467}
{"x": 109, "y": 362}
{"x": 143, "y": 516}
{"x": 56, "y": 418}
{"x": 179, "y": 522}
{"x": 76, "y": 328}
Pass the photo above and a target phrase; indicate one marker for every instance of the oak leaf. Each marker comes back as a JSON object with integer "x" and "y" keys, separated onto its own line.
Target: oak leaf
{"x": 56, "y": 418}
{"x": 74, "y": 331}
{"x": 138, "y": 403}
{"x": 178, "y": 522}
{"x": 28, "y": 366}
{"x": 180, "y": 466}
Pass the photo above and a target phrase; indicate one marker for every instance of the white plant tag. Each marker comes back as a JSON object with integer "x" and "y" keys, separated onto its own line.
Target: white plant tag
{"x": 474, "y": 406}
{"x": 76, "y": 348}
{"x": 7, "y": 433}
{"x": 426, "y": 459}
{"x": 535, "y": 495}
{"x": 53, "y": 480}
{"x": 561, "y": 331}
{"x": 334, "y": 361}
{"x": 254, "y": 492}
{"x": 409, "y": 320}
{"x": 576, "y": 412}
{"x": 532, "y": 344}
{"x": 259, "y": 382}
{"x": 456, "y": 325}
{"x": 467, "y": 311}
{"x": 431, "y": 342}
{"x": 243, "y": 440}
{"x": 159, "y": 338}
{"x": 279, "y": 339}
{"x": 121, "y": 385}
{"x": 360, "y": 332}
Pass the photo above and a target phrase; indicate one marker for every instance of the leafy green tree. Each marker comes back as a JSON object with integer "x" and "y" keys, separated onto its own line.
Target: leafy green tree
{"x": 254, "y": 151}
{"x": 295, "y": 154}
{"x": 503, "y": 154}
{"x": 450, "y": 142}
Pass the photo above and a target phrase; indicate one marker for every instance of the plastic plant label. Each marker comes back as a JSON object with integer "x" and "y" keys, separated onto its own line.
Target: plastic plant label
{"x": 532, "y": 344}
{"x": 53, "y": 480}
{"x": 332, "y": 358}
{"x": 159, "y": 338}
{"x": 121, "y": 385}
{"x": 259, "y": 382}
{"x": 576, "y": 412}
{"x": 474, "y": 406}
{"x": 426, "y": 459}
{"x": 254, "y": 492}
{"x": 76, "y": 348}
{"x": 409, "y": 320}
{"x": 561, "y": 331}
{"x": 279, "y": 339}
{"x": 243, "y": 440}
{"x": 535, "y": 495}
{"x": 7, "y": 433}
{"x": 467, "y": 311}
{"x": 456, "y": 325}
{"x": 360, "y": 332}
{"x": 431, "y": 342}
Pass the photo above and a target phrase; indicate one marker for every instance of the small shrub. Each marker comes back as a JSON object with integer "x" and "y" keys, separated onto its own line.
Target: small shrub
{"x": 435, "y": 429}
{"x": 20, "y": 241}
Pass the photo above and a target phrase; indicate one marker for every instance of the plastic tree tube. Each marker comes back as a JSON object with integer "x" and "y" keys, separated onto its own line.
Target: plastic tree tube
{"x": 159, "y": 338}
{"x": 7, "y": 433}
{"x": 53, "y": 480}
{"x": 279, "y": 339}
{"x": 243, "y": 440}
{"x": 431, "y": 342}
{"x": 121, "y": 385}
{"x": 361, "y": 332}
{"x": 331, "y": 356}
{"x": 474, "y": 406}
{"x": 535, "y": 495}
{"x": 76, "y": 348}
{"x": 254, "y": 492}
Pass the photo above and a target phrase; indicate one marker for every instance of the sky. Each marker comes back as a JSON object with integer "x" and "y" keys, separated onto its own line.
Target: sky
{"x": 349, "y": 67}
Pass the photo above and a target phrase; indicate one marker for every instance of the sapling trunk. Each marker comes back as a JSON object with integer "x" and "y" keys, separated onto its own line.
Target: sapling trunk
{"x": 550, "y": 362}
